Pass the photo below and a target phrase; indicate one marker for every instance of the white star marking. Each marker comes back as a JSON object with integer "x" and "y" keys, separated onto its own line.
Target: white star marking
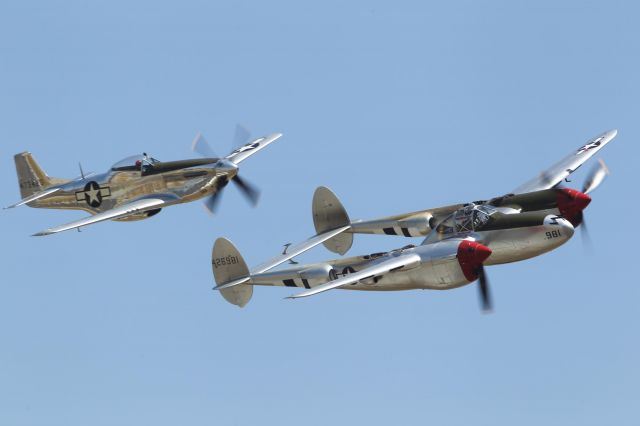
{"x": 93, "y": 195}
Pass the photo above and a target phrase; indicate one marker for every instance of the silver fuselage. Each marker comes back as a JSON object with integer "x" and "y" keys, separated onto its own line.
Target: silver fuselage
{"x": 102, "y": 192}
{"x": 439, "y": 268}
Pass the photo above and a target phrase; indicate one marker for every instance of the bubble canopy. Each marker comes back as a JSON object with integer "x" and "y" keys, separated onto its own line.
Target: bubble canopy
{"x": 133, "y": 162}
{"x": 470, "y": 218}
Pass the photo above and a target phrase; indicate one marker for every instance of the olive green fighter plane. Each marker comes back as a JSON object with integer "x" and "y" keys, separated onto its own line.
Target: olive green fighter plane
{"x": 140, "y": 186}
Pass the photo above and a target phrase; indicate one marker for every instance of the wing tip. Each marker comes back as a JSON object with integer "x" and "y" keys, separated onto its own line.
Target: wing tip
{"x": 303, "y": 294}
{"x": 42, "y": 233}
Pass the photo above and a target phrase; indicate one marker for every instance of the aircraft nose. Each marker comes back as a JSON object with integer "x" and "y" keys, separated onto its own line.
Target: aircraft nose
{"x": 473, "y": 251}
{"x": 572, "y": 200}
{"x": 227, "y": 167}
{"x": 567, "y": 229}
{"x": 558, "y": 227}
{"x": 582, "y": 200}
{"x": 482, "y": 252}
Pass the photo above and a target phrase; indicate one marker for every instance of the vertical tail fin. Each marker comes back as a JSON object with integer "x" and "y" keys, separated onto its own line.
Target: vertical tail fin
{"x": 329, "y": 213}
{"x": 228, "y": 265}
{"x": 31, "y": 177}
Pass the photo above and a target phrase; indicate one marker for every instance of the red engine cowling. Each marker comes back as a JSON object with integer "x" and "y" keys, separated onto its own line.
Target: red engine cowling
{"x": 571, "y": 203}
{"x": 470, "y": 257}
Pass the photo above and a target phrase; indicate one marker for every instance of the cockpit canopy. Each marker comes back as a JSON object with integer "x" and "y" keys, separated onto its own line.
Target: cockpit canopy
{"x": 133, "y": 163}
{"x": 470, "y": 218}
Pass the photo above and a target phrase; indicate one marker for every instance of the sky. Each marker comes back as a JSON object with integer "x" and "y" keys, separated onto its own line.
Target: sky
{"x": 395, "y": 106}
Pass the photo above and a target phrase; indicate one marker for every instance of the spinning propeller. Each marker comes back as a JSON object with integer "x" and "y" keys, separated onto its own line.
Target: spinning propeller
{"x": 483, "y": 287}
{"x": 471, "y": 257}
{"x": 596, "y": 176}
{"x": 250, "y": 192}
{"x": 571, "y": 203}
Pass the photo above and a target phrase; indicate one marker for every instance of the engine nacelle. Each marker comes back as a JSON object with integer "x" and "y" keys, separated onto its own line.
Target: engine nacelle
{"x": 414, "y": 226}
{"x": 567, "y": 201}
{"x": 318, "y": 274}
{"x": 444, "y": 264}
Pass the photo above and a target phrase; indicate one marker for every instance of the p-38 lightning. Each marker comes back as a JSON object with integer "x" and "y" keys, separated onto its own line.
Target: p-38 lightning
{"x": 140, "y": 186}
{"x": 461, "y": 239}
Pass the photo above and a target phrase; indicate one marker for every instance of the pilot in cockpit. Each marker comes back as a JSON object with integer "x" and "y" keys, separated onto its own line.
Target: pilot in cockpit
{"x": 146, "y": 163}
{"x": 136, "y": 162}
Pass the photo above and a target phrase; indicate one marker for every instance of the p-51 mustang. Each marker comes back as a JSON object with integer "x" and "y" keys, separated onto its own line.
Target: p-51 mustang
{"x": 460, "y": 239}
{"x": 137, "y": 187}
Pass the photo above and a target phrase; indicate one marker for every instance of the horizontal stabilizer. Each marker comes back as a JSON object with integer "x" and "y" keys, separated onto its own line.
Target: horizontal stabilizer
{"x": 34, "y": 197}
{"x": 229, "y": 267}
{"x": 298, "y": 249}
{"x": 232, "y": 283}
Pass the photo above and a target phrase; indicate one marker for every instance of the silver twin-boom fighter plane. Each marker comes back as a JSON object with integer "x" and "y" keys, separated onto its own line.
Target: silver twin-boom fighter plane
{"x": 460, "y": 240}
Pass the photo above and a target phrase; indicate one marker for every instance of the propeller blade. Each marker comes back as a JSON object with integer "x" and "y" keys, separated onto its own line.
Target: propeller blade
{"x": 248, "y": 190}
{"x": 595, "y": 177}
{"x": 483, "y": 286}
{"x": 241, "y": 136}
{"x": 212, "y": 203}
{"x": 578, "y": 219}
{"x": 586, "y": 239}
{"x": 202, "y": 147}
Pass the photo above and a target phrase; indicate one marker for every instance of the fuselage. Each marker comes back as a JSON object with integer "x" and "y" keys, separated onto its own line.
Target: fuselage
{"x": 177, "y": 182}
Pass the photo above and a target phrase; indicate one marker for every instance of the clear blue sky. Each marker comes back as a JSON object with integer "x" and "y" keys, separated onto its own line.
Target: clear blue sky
{"x": 396, "y": 106}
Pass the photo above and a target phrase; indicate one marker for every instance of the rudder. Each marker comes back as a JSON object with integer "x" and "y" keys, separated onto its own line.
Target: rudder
{"x": 228, "y": 265}
{"x": 329, "y": 213}
{"x": 31, "y": 177}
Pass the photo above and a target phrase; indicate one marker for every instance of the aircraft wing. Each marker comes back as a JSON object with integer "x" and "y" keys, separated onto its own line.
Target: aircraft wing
{"x": 381, "y": 268}
{"x": 246, "y": 151}
{"x": 34, "y": 197}
{"x": 563, "y": 168}
{"x": 134, "y": 207}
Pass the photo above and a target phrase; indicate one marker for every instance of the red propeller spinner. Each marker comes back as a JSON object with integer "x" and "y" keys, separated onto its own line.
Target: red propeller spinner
{"x": 471, "y": 255}
{"x": 571, "y": 203}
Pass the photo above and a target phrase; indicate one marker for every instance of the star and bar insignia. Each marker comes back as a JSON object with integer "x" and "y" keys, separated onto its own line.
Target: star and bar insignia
{"x": 93, "y": 194}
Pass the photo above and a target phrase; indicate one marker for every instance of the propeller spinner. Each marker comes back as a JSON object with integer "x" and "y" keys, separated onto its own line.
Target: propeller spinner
{"x": 248, "y": 190}
{"x": 596, "y": 176}
{"x": 471, "y": 256}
